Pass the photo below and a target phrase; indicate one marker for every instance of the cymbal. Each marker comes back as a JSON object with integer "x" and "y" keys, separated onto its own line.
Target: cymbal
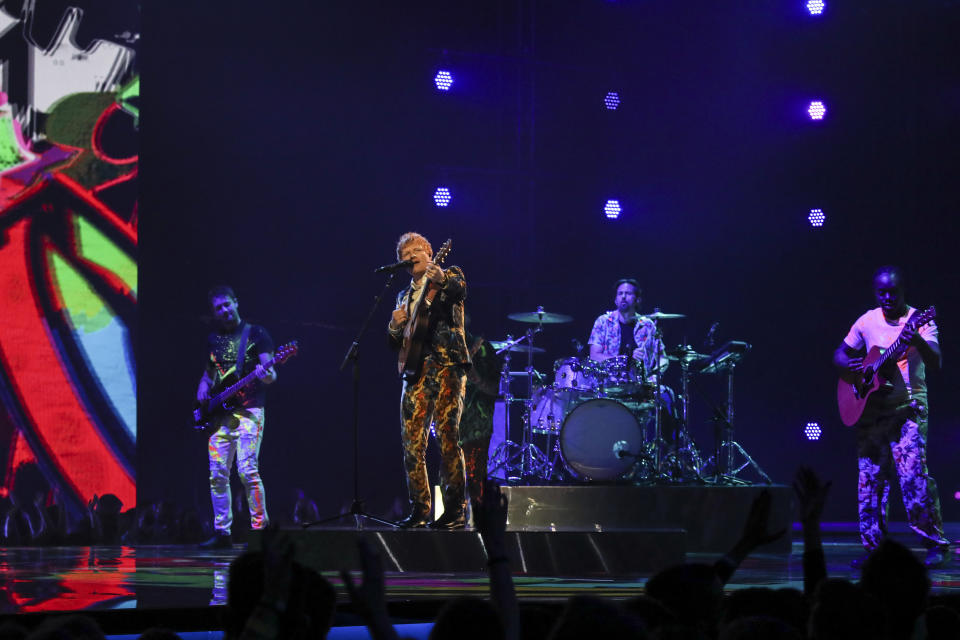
{"x": 660, "y": 315}
{"x": 521, "y": 348}
{"x": 685, "y": 354}
{"x": 540, "y": 317}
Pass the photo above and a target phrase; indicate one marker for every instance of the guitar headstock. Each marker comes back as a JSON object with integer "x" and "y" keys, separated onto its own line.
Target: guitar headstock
{"x": 920, "y": 319}
{"x": 443, "y": 251}
{"x": 287, "y": 351}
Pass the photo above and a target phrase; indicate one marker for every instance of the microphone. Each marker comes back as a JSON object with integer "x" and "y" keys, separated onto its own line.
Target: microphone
{"x": 396, "y": 266}
{"x": 711, "y": 336}
{"x": 577, "y": 344}
{"x": 621, "y": 449}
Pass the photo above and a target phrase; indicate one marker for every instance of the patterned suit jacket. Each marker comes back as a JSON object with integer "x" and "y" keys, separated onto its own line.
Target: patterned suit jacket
{"x": 446, "y": 342}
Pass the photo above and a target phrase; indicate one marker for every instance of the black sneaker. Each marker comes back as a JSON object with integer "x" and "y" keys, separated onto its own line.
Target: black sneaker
{"x": 218, "y": 541}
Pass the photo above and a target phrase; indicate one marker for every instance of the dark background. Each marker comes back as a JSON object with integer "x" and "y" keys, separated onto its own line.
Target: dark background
{"x": 286, "y": 147}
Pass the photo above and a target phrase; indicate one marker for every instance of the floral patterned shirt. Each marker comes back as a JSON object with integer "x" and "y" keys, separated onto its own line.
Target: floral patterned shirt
{"x": 606, "y": 336}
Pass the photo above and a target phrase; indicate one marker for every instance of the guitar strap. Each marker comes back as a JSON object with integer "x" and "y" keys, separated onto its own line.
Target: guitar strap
{"x": 242, "y": 350}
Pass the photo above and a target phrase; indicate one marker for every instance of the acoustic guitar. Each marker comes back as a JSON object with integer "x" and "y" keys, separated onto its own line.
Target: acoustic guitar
{"x": 418, "y": 324}
{"x": 852, "y": 396}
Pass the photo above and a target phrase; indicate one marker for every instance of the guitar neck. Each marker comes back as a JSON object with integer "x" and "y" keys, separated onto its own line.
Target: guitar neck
{"x": 897, "y": 349}
{"x": 894, "y": 351}
{"x": 240, "y": 384}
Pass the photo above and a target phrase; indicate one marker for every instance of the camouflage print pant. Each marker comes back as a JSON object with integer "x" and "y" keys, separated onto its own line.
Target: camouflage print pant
{"x": 238, "y": 437}
{"x": 438, "y": 395}
{"x": 897, "y": 442}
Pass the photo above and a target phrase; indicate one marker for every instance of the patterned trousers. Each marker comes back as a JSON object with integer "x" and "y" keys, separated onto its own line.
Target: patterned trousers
{"x": 896, "y": 442}
{"x": 239, "y": 436}
{"x": 438, "y": 395}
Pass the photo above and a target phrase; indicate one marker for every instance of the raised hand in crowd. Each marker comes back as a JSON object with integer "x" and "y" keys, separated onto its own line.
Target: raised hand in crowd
{"x": 490, "y": 518}
{"x": 271, "y": 596}
{"x": 278, "y": 554}
{"x": 811, "y": 496}
{"x": 259, "y": 593}
{"x": 369, "y": 598}
{"x": 755, "y": 534}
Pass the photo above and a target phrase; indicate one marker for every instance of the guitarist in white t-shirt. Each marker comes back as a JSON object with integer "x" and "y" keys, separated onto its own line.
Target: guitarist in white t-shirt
{"x": 892, "y": 432}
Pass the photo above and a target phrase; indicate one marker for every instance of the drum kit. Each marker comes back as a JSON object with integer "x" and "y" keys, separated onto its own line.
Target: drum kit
{"x": 610, "y": 420}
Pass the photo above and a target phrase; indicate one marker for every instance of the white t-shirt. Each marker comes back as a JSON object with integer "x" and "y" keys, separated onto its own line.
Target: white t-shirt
{"x": 873, "y": 330}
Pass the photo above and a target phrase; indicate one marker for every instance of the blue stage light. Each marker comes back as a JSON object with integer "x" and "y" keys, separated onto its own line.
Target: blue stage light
{"x": 817, "y": 110}
{"x": 812, "y": 431}
{"x": 443, "y": 80}
{"x": 816, "y": 7}
{"x": 441, "y": 197}
{"x": 612, "y": 100}
{"x": 612, "y": 209}
{"x": 816, "y": 217}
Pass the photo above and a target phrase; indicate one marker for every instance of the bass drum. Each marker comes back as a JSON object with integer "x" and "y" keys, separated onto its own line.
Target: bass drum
{"x": 593, "y": 433}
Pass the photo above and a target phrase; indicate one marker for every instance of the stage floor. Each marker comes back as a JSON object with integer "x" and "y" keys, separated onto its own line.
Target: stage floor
{"x": 166, "y": 578}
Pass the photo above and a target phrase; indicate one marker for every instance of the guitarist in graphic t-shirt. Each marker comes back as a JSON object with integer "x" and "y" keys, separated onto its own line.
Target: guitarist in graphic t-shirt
{"x": 239, "y": 432}
{"x": 892, "y": 432}
{"x": 433, "y": 360}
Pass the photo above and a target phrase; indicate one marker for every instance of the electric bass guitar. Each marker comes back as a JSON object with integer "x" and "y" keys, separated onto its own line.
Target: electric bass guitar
{"x": 230, "y": 390}
{"x": 852, "y": 397}
{"x": 418, "y": 324}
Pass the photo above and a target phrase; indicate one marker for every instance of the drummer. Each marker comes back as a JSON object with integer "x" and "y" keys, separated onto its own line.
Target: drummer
{"x": 624, "y": 332}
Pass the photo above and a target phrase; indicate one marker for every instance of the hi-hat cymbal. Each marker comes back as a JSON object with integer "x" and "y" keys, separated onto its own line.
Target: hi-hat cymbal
{"x": 660, "y": 315}
{"x": 540, "y": 317}
{"x": 521, "y": 348}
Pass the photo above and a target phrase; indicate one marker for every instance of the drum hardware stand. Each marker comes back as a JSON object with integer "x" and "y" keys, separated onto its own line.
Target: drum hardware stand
{"x": 525, "y": 460}
{"x": 683, "y": 458}
{"x": 682, "y": 441}
{"x": 658, "y": 445}
{"x": 502, "y": 455}
{"x": 643, "y": 461}
{"x": 658, "y": 442}
{"x": 353, "y": 357}
{"x": 724, "y": 472}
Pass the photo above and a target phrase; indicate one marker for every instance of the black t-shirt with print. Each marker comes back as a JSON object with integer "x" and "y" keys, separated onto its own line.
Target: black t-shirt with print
{"x": 222, "y": 356}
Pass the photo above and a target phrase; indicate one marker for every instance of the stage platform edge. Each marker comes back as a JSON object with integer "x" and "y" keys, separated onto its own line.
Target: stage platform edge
{"x": 711, "y": 515}
{"x": 547, "y": 553}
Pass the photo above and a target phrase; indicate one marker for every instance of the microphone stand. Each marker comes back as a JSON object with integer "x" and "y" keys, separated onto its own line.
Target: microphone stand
{"x": 353, "y": 357}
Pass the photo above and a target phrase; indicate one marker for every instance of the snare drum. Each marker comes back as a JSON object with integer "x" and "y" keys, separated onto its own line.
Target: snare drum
{"x": 594, "y": 436}
{"x": 569, "y": 373}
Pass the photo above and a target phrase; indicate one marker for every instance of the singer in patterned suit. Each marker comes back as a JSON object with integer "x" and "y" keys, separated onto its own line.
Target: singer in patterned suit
{"x": 436, "y": 392}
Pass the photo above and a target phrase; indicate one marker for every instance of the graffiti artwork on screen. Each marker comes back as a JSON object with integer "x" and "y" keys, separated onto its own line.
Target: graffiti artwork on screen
{"x": 69, "y": 118}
